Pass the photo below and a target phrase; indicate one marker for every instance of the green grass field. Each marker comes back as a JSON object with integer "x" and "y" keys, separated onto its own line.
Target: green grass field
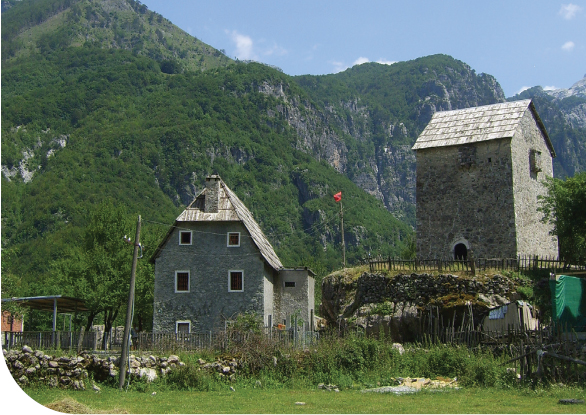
{"x": 251, "y": 400}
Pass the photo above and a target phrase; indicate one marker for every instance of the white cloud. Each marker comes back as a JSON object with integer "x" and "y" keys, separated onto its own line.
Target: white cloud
{"x": 385, "y": 62}
{"x": 568, "y": 46}
{"x": 244, "y": 45}
{"x": 550, "y": 88}
{"x": 339, "y": 66}
{"x": 360, "y": 61}
{"x": 569, "y": 11}
{"x": 275, "y": 50}
{"x": 247, "y": 49}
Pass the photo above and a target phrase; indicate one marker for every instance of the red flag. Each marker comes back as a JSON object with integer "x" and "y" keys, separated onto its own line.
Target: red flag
{"x": 338, "y": 196}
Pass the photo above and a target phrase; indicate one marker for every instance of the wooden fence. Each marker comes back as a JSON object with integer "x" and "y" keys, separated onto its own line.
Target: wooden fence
{"x": 152, "y": 342}
{"x": 49, "y": 340}
{"x": 548, "y": 353}
{"x": 521, "y": 263}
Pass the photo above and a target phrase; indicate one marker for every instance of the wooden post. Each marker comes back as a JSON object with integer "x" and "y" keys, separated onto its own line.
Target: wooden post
{"x": 129, "y": 309}
{"x": 343, "y": 244}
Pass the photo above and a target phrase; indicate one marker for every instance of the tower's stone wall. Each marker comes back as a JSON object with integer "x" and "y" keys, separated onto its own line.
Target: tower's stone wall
{"x": 531, "y": 164}
{"x": 464, "y": 195}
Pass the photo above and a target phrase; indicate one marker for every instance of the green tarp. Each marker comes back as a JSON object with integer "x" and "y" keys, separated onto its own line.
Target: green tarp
{"x": 568, "y": 300}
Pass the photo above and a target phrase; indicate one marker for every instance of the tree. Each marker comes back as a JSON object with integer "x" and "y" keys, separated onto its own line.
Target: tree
{"x": 564, "y": 208}
{"x": 11, "y": 286}
{"x": 98, "y": 271}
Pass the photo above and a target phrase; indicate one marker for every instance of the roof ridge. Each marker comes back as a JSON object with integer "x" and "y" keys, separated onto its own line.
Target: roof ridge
{"x": 253, "y": 228}
{"x": 475, "y": 124}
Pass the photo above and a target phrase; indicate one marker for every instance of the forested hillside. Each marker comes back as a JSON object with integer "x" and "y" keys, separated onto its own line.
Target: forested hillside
{"x": 84, "y": 124}
{"x": 106, "y": 101}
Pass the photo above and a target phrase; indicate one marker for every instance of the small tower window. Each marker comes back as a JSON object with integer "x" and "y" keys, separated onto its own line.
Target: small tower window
{"x": 467, "y": 156}
{"x": 535, "y": 161}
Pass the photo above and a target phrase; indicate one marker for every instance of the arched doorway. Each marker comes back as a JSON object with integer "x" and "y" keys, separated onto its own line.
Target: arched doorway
{"x": 460, "y": 252}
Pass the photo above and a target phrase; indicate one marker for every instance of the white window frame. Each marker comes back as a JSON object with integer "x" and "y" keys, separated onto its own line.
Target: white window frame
{"x": 190, "y": 237}
{"x": 188, "y": 282}
{"x": 182, "y": 322}
{"x": 228, "y": 240}
{"x": 230, "y": 290}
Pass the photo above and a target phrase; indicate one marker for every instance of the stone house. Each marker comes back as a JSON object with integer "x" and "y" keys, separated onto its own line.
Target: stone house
{"x": 215, "y": 262}
{"x": 479, "y": 175}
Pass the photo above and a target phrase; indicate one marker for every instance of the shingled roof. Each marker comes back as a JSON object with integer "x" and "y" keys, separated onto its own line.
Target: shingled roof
{"x": 230, "y": 209}
{"x": 471, "y": 125}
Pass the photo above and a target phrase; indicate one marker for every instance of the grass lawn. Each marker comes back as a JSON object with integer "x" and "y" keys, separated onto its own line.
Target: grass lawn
{"x": 316, "y": 401}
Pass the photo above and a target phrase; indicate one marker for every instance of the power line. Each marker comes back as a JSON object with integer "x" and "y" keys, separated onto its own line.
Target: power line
{"x": 309, "y": 230}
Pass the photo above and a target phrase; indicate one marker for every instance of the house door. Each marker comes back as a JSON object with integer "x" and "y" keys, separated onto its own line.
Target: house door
{"x": 460, "y": 252}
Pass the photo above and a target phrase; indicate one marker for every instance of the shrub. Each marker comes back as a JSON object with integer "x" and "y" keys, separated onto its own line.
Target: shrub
{"x": 189, "y": 378}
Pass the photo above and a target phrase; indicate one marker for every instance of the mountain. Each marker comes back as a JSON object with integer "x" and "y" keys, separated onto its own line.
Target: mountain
{"x": 82, "y": 123}
{"x": 108, "y": 100}
{"x": 31, "y": 27}
{"x": 563, "y": 112}
{"x": 376, "y": 112}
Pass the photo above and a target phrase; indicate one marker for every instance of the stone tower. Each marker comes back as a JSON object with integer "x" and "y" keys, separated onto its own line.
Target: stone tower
{"x": 479, "y": 174}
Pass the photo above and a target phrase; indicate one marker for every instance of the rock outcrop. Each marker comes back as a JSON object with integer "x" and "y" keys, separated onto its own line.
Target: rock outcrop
{"x": 395, "y": 304}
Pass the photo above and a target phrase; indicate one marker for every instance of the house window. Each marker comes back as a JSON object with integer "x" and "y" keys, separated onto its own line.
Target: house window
{"x": 185, "y": 238}
{"x": 233, "y": 239}
{"x": 181, "y": 281}
{"x": 182, "y": 328}
{"x": 236, "y": 281}
{"x": 289, "y": 284}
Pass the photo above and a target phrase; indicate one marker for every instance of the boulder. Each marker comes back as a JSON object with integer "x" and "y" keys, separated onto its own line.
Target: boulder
{"x": 149, "y": 374}
{"x": 399, "y": 347}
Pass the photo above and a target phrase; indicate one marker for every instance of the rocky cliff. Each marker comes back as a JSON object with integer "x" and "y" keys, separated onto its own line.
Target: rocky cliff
{"x": 563, "y": 112}
{"x": 364, "y": 121}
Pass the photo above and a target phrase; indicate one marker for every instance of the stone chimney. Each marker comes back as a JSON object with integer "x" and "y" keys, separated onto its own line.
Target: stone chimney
{"x": 212, "y": 194}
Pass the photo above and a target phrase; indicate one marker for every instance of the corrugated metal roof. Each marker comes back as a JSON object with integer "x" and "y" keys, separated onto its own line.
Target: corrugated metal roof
{"x": 471, "y": 125}
{"x": 230, "y": 208}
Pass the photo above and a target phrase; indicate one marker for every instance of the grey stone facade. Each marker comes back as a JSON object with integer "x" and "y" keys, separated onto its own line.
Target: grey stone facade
{"x": 204, "y": 278}
{"x": 294, "y": 295}
{"x": 479, "y": 189}
{"x": 208, "y": 302}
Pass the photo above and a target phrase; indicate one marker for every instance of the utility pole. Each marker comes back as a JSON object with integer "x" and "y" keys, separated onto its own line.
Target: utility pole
{"x": 129, "y": 309}
{"x": 343, "y": 244}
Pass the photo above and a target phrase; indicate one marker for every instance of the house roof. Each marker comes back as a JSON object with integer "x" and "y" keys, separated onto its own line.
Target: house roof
{"x": 48, "y": 302}
{"x": 471, "y": 125}
{"x": 230, "y": 208}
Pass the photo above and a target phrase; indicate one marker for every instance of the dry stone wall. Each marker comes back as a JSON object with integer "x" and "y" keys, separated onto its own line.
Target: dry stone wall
{"x": 396, "y": 303}
{"x": 73, "y": 372}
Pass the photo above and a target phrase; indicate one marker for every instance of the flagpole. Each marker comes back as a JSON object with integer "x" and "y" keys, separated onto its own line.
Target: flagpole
{"x": 343, "y": 244}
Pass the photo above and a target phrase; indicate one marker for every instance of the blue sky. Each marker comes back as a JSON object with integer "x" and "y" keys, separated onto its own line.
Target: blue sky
{"x": 521, "y": 43}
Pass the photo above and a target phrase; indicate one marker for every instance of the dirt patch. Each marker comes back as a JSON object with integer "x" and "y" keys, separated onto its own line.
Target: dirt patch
{"x": 71, "y": 406}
